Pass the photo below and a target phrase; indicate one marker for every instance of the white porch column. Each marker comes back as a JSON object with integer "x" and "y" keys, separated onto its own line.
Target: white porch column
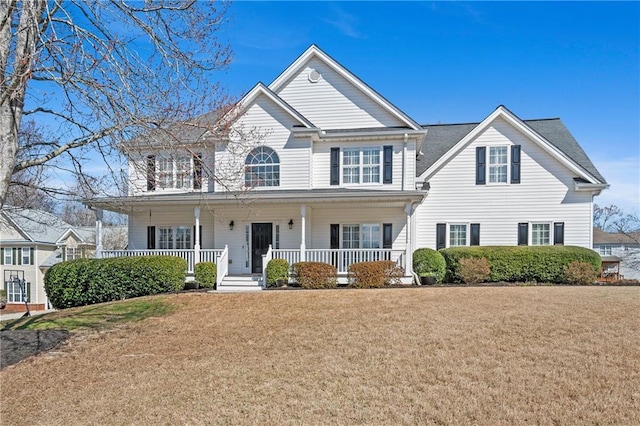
{"x": 303, "y": 230}
{"x": 99, "y": 213}
{"x": 196, "y": 241}
{"x": 409, "y": 241}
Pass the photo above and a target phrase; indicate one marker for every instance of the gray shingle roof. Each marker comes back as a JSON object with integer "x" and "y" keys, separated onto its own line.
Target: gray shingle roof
{"x": 442, "y": 137}
{"x": 39, "y": 226}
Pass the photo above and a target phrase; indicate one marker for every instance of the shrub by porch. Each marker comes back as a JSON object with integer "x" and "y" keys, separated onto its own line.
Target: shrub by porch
{"x": 88, "y": 281}
{"x": 374, "y": 274}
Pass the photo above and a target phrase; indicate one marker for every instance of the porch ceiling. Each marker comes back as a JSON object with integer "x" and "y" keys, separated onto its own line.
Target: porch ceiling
{"x": 362, "y": 197}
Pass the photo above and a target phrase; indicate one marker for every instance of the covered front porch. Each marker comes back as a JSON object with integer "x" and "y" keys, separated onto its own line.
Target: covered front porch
{"x": 241, "y": 237}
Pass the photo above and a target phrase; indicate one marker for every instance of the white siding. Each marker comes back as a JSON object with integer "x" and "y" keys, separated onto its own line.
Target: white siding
{"x": 333, "y": 102}
{"x": 322, "y": 164}
{"x": 265, "y": 123}
{"x": 545, "y": 194}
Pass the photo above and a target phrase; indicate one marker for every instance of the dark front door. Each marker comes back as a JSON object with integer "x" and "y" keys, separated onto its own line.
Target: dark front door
{"x": 260, "y": 240}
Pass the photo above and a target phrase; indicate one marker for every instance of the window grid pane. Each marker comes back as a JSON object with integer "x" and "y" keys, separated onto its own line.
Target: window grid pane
{"x": 14, "y": 291}
{"x": 262, "y": 168}
{"x": 351, "y": 236}
{"x": 165, "y": 172}
{"x": 8, "y": 256}
{"x": 26, "y": 255}
{"x": 540, "y": 234}
{"x": 498, "y": 164}
{"x": 371, "y": 165}
{"x": 351, "y": 166}
{"x": 457, "y": 235}
{"x": 183, "y": 237}
{"x": 371, "y": 236}
{"x": 183, "y": 167}
{"x": 165, "y": 238}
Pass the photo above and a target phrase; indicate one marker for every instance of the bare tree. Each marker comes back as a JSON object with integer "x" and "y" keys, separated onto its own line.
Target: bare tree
{"x": 96, "y": 74}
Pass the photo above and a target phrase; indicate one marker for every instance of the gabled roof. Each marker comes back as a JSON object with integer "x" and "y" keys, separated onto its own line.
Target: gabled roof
{"x": 261, "y": 89}
{"x": 35, "y": 225}
{"x": 315, "y": 52}
{"x": 445, "y": 140}
{"x": 603, "y": 237}
{"x": 84, "y": 235}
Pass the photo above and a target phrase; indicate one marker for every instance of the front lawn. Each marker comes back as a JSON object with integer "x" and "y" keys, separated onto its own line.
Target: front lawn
{"x": 461, "y": 355}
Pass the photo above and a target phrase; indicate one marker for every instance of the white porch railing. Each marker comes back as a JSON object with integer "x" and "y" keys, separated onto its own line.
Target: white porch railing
{"x": 222, "y": 265}
{"x": 341, "y": 258}
{"x": 265, "y": 260}
{"x": 187, "y": 255}
{"x": 210, "y": 255}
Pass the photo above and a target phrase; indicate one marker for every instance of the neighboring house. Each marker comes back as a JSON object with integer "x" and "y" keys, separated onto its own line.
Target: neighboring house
{"x": 334, "y": 172}
{"x": 625, "y": 247}
{"x": 31, "y": 241}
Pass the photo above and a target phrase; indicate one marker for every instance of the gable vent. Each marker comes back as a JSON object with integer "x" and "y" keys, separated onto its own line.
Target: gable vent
{"x": 314, "y": 76}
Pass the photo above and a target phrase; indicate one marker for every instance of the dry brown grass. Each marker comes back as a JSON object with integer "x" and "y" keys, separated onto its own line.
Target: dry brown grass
{"x": 548, "y": 355}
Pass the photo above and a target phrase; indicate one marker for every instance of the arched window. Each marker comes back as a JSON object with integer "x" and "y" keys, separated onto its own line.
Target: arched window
{"x": 262, "y": 168}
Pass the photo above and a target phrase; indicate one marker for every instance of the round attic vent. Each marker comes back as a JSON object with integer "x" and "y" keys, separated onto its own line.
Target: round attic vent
{"x": 314, "y": 76}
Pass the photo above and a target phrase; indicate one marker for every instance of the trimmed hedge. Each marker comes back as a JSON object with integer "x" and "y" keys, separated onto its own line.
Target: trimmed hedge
{"x": 315, "y": 274}
{"x": 429, "y": 263}
{"x": 87, "y": 281}
{"x": 277, "y": 269}
{"x": 205, "y": 274}
{"x": 520, "y": 263}
{"x": 374, "y": 274}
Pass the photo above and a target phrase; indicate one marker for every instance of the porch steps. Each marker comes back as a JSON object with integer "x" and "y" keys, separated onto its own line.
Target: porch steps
{"x": 241, "y": 283}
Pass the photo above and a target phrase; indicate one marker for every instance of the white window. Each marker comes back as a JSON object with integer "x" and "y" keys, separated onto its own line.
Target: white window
{"x": 14, "y": 290}
{"x": 361, "y": 165}
{"x": 183, "y": 237}
{"x": 605, "y": 250}
{"x": 183, "y": 172}
{"x": 165, "y": 172}
{"x": 371, "y": 235}
{"x": 371, "y": 165}
{"x": 8, "y": 256}
{"x": 165, "y": 237}
{"x": 175, "y": 237}
{"x": 72, "y": 253}
{"x": 498, "y": 164}
{"x": 457, "y": 235}
{"x": 351, "y": 165}
{"x": 350, "y": 236}
{"x": 26, "y": 255}
{"x": 262, "y": 168}
{"x": 361, "y": 236}
{"x": 540, "y": 234}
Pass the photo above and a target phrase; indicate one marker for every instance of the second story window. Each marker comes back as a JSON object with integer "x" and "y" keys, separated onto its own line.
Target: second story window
{"x": 174, "y": 172}
{"x": 262, "y": 168}
{"x": 498, "y": 164}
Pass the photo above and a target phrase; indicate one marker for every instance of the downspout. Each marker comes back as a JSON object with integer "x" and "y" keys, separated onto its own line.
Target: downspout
{"x": 404, "y": 161}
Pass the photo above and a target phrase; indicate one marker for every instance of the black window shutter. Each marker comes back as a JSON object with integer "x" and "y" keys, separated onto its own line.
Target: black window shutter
{"x": 151, "y": 237}
{"x": 481, "y": 169}
{"x": 335, "y": 166}
{"x": 1, "y": 256}
{"x": 387, "y": 161}
{"x": 387, "y": 235}
{"x": 523, "y": 234}
{"x": 515, "y": 164}
{"x": 32, "y": 255}
{"x": 558, "y": 233}
{"x": 475, "y": 234}
{"x": 197, "y": 171}
{"x": 335, "y": 236}
{"x": 27, "y": 289}
{"x": 151, "y": 173}
{"x": 441, "y": 236}
{"x": 64, "y": 253}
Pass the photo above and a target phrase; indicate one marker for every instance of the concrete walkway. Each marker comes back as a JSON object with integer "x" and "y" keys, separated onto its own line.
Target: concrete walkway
{"x": 15, "y": 315}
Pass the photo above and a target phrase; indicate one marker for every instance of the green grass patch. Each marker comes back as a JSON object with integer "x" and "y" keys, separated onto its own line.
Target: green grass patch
{"x": 100, "y": 316}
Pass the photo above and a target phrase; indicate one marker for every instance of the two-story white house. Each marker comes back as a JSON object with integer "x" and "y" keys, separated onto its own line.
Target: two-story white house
{"x": 319, "y": 166}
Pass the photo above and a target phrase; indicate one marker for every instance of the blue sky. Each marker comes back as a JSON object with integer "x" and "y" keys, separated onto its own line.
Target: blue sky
{"x": 450, "y": 62}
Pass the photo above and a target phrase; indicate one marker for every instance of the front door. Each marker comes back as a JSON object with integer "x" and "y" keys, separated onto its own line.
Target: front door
{"x": 261, "y": 234}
